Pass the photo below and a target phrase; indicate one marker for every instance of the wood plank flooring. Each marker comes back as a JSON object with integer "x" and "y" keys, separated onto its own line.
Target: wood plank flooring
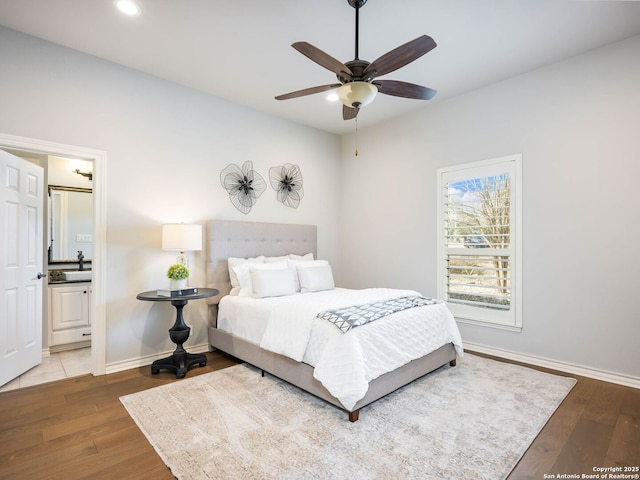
{"x": 78, "y": 429}
{"x": 597, "y": 425}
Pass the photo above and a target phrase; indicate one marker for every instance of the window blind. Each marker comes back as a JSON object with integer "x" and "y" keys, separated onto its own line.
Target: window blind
{"x": 477, "y": 241}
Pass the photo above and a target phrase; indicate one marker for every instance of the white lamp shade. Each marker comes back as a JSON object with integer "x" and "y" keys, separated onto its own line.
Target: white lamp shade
{"x": 357, "y": 94}
{"x": 182, "y": 237}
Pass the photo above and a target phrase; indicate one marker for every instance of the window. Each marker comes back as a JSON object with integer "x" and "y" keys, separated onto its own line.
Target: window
{"x": 479, "y": 235}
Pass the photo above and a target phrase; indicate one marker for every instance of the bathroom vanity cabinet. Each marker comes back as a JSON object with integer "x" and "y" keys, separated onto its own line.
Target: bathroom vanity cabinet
{"x": 69, "y": 313}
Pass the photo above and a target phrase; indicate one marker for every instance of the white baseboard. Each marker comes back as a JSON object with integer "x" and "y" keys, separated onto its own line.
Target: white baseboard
{"x": 605, "y": 376}
{"x": 149, "y": 359}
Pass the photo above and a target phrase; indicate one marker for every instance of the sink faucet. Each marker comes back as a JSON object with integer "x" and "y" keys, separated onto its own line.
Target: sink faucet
{"x": 80, "y": 260}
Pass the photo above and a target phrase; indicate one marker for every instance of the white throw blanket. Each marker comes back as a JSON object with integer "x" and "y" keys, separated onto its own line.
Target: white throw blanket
{"x": 351, "y": 360}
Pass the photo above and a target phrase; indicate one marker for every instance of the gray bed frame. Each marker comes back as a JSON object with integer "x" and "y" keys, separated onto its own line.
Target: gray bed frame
{"x": 250, "y": 239}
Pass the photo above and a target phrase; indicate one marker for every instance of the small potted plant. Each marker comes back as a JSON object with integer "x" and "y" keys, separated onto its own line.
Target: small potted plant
{"x": 178, "y": 274}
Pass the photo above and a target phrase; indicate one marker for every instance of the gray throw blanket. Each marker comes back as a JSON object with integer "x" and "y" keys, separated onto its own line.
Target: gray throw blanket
{"x": 347, "y": 318}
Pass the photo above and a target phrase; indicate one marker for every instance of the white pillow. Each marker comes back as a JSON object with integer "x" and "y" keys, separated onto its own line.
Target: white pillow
{"x": 272, "y": 283}
{"x": 243, "y": 272}
{"x": 293, "y": 264}
{"x": 234, "y": 262}
{"x": 292, "y": 256}
{"x": 283, "y": 258}
{"x": 315, "y": 278}
{"x": 308, "y": 256}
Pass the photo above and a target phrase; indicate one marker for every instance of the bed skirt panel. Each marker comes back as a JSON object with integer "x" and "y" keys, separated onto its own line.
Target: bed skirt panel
{"x": 301, "y": 374}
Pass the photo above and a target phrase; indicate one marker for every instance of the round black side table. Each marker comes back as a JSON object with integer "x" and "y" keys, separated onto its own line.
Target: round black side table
{"x": 180, "y": 360}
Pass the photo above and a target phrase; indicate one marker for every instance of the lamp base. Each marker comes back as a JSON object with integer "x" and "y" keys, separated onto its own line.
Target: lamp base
{"x": 182, "y": 260}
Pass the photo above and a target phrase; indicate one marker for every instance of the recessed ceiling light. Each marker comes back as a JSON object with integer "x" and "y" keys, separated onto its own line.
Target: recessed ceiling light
{"x": 127, "y": 7}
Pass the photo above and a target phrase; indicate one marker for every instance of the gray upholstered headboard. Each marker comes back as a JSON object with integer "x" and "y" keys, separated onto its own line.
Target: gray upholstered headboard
{"x": 227, "y": 238}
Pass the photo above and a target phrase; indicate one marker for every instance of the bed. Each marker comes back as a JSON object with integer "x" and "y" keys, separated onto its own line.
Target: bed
{"x": 227, "y": 239}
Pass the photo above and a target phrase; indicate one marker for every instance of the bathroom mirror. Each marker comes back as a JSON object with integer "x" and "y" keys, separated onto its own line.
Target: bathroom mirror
{"x": 70, "y": 224}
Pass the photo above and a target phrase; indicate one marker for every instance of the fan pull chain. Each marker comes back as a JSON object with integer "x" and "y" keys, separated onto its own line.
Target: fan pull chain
{"x": 356, "y": 136}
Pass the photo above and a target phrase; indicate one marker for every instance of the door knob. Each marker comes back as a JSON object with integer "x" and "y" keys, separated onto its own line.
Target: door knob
{"x": 41, "y": 275}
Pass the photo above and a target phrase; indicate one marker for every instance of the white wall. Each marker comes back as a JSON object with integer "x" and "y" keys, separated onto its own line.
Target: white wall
{"x": 166, "y": 146}
{"x": 577, "y": 125}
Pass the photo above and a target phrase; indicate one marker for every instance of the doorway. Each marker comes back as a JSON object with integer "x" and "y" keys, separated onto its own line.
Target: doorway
{"x": 41, "y": 147}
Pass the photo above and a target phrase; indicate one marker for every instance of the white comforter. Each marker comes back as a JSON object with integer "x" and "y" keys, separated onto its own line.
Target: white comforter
{"x": 347, "y": 362}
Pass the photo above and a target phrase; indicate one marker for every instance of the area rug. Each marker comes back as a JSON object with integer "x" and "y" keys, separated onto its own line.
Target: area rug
{"x": 474, "y": 420}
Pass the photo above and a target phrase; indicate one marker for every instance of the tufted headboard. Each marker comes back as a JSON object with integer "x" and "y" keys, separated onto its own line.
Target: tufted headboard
{"x": 227, "y": 238}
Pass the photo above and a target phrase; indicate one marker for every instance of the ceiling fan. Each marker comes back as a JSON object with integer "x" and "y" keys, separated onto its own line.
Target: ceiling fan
{"x": 358, "y": 78}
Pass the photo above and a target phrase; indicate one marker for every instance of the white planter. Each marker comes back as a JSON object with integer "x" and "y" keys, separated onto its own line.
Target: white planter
{"x": 179, "y": 284}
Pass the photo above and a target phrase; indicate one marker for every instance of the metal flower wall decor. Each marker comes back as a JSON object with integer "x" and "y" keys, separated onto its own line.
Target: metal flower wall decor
{"x": 286, "y": 180}
{"x": 244, "y": 185}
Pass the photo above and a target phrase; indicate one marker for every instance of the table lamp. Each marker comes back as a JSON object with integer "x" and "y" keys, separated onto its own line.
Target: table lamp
{"x": 182, "y": 238}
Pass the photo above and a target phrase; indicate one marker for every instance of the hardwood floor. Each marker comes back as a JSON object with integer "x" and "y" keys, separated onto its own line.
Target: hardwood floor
{"x": 597, "y": 425}
{"x": 78, "y": 429}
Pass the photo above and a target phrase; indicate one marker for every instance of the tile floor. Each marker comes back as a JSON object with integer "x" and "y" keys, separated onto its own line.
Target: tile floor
{"x": 58, "y": 366}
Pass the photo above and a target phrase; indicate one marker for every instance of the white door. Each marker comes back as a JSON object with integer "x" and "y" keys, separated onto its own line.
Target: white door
{"x": 21, "y": 286}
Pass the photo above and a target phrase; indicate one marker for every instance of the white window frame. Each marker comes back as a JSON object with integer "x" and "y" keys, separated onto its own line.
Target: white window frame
{"x": 512, "y": 165}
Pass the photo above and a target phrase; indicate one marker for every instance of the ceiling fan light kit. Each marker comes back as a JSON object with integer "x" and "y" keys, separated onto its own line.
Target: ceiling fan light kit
{"x": 358, "y": 78}
{"x": 357, "y": 94}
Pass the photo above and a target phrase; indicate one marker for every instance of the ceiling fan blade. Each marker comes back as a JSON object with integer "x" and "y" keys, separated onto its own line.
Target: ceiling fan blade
{"x": 400, "y": 56}
{"x": 349, "y": 113}
{"x": 404, "y": 89}
{"x": 307, "y": 91}
{"x": 323, "y": 59}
